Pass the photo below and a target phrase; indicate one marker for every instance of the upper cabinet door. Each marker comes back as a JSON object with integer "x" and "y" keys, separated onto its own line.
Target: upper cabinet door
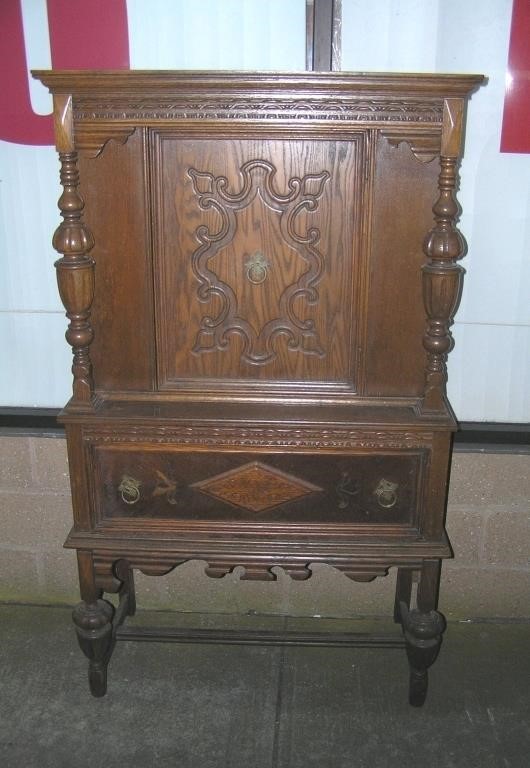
{"x": 259, "y": 261}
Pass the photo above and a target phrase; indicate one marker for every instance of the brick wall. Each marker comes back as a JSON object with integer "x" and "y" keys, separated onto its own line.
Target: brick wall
{"x": 488, "y": 521}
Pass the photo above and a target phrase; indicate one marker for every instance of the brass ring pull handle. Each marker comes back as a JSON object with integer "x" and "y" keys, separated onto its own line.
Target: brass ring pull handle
{"x": 129, "y": 489}
{"x": 257, "y": 266}
{"x": 386, "y": 493}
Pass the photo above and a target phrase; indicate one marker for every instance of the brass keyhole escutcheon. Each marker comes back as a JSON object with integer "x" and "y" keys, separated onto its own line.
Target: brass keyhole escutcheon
{"x": 129, "y": 489}
{"x": 257, "y": 266}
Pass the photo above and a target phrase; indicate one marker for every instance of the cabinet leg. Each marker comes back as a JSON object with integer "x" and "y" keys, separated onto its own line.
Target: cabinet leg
{"x": 403, "y": 592}
{"x": 93, "y": 625}
{"x": 92, "y": 619}
{"x": 423, "y": 627}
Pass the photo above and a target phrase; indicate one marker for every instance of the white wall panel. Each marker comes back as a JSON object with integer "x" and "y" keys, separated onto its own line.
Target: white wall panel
{"x": 29, "y": 189}
{"x": 489, "y": 372}
{"x": 389, "y": 35}
{"x": 36, "y": 359}
{"x": 217, "y": 34}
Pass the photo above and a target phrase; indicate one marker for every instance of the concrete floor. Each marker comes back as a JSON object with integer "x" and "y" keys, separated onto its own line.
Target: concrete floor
{"x": 256, "y": 707}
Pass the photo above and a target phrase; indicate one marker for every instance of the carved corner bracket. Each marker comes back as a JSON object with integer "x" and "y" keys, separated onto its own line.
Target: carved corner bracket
{"x": 92, "y": 138}
{"x": 424, "y": 143}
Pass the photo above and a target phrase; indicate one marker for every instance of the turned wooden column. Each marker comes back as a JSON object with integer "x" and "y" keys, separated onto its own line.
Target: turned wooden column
{"x": 92, "y": 619}
{"x": 75, "y": 270}
{"x": 423, "y": 627}
{"x": 442, "y": 275}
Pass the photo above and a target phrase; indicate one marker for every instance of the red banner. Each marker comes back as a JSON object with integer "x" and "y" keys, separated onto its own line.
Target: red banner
{"x": 83, "y": 35}
{"x": 516, "y": 118}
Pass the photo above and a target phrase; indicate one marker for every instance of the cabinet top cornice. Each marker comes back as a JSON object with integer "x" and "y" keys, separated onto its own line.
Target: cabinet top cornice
{"x": 125, "y": 83}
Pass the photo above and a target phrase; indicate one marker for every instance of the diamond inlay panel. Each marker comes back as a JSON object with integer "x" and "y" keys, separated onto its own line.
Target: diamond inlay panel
{"x": 256, "y": 486}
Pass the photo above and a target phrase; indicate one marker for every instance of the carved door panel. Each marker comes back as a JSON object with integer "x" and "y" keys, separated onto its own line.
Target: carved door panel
{"x": 258, "y": 262}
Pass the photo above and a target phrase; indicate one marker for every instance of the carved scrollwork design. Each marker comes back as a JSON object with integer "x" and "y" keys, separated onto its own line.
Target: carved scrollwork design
{"x": 303, "y": 194}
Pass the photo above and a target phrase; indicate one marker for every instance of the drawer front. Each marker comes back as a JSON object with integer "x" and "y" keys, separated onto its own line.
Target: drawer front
{"x": 266, "y": 487}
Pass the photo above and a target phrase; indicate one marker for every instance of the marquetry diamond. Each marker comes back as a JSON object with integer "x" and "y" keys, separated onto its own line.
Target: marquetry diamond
{"x": 256, "y": 486}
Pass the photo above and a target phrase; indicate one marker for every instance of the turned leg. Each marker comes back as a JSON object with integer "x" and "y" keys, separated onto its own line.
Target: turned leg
{"x": 423, "y": 627}
{"x": 403, "y": 592}
{"x": 93, "y": 624}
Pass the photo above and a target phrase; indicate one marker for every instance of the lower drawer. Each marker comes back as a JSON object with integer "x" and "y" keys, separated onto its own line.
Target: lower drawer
{"x": 170, "y": 484}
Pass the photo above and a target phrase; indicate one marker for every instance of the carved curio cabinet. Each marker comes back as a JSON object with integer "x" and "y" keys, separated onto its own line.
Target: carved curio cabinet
{"x": 260, "y": 272}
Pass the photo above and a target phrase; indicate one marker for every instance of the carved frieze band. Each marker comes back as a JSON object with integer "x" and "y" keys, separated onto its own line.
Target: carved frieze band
{"x": 354, "y": 109}
{"x": 286, "y": 437}
{"x": 213, "y": 192}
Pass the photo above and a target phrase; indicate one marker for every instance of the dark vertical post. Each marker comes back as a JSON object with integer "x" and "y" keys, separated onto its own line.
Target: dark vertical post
{"x": 423, "y": 627}
{"x": 323, "y": 25}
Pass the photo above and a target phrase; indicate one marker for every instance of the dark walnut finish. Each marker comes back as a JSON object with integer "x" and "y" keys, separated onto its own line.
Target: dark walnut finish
{"x": 259, "y": 337}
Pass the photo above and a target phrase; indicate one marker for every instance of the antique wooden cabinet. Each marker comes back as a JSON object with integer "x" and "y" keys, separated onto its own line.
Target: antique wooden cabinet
{"x": 260, "y": 272}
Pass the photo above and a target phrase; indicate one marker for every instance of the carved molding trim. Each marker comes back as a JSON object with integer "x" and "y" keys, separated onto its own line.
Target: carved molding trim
{"x": 258, "y": 178}
{"x": 295, "y": 437}
{"x": 424, "y": 144}
{"x": 347, "y": 108}
{"x": 94, "y": 137}
{"x": 161, "y": 565}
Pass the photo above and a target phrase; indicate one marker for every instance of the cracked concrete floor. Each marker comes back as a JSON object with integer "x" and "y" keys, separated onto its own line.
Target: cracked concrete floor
{"x": 257, "y": 707}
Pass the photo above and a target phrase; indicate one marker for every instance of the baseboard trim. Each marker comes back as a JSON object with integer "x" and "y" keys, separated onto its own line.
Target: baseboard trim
{"x": 30, "y": 422}
{"x": 492, "y": 437}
